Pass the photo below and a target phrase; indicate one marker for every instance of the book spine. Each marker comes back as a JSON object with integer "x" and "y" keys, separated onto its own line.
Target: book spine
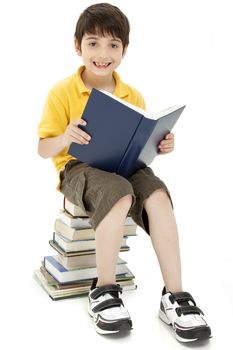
{"x": 54, "y": 263}
{"x": 130, "y": 161}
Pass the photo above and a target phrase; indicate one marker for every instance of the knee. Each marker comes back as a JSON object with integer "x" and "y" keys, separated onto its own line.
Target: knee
{"x": 126, "y": 201}
{"x": 159, "y": 197}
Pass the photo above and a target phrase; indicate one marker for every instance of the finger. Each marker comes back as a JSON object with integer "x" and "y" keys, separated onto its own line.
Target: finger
{"x": 84, "y": 135}
{"x": 166, "y": 144}
{"x": 79, "y": 140}
{"x": 78, "y": 137}
{"x": 163, "y": 151}
{"x": 79, "y": 132}
{"x": 166, "y": 149}
{"x": 79, "y": 121}
{"x": 169, "y": 136}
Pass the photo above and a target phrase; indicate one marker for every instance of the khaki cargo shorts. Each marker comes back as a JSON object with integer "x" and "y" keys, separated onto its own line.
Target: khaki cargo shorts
{"x": 96, "y": 191}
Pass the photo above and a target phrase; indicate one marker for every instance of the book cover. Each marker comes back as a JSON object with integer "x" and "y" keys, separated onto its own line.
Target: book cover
{"x": 82, "y": 261}
{"x": 77, "y": 245}
{"x": 124, "y": 137}
{"x": 76, "y": 212}
{"x": 63, "y": 291}
{"x": 73, "y": 209}
{"x": 61, "y": 251}
{"x": 73, "y": 233}
{"x": 84, "y": 222}
{"x": 63, "y": 274}
{"x": 129, "y": 276}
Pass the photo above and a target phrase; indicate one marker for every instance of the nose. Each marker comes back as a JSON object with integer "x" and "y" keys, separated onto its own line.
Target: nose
{"x": 103, "y": 53}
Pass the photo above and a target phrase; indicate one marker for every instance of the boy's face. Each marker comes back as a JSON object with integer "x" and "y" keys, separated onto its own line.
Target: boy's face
{"x": 101, "y": 54}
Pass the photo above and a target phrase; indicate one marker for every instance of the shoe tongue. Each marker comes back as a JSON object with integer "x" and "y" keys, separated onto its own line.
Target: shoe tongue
{"x": 114, "y": 294}
{"x": 183, "y": 303}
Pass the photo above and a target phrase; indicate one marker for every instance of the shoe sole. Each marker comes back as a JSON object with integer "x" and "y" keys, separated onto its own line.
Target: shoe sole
{"x": 120, "y": 326}
{"x": 185, "y": 335}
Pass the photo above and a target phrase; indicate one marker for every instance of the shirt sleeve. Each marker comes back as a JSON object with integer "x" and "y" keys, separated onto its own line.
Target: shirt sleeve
{"x": 54, "y": 117}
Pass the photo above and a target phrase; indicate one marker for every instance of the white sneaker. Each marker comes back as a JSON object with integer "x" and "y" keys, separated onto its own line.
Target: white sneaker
{"x": 107, "y": 309}
{"x": 180, "y": 311}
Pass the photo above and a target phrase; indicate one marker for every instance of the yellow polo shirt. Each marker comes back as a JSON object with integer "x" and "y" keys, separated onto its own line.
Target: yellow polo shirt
{"x": 66, "y": 102}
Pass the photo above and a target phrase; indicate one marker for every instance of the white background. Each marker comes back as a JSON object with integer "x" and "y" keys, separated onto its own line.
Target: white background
{"x": 180, "y": 52}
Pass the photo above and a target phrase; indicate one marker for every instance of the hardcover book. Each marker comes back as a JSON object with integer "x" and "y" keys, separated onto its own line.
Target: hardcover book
{"x": 124, "y": 138}
{"x": 58, "y": 291}
{"x": 83, "y": 223}
{"x": 73, "y": 233}
{"x": 60, "y": 250}
{"x": 69, "y": 245}
{"x": 64, "y": 275}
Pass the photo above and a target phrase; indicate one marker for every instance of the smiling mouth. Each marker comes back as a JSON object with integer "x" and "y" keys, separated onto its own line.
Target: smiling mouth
{"x": 101, "y": 64}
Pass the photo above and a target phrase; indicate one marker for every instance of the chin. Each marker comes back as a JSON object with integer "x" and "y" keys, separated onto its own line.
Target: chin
{"x": 102, "y": 73}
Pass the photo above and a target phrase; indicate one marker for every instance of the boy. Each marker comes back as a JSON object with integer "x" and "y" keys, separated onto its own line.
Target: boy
{"x": 101, "y": 38}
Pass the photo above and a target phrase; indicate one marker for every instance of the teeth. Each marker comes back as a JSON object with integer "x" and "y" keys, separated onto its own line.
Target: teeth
{"x": 99, "y": 64}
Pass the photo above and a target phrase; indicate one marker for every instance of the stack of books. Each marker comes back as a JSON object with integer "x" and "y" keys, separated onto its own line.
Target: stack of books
{"x": 70, "y": 272}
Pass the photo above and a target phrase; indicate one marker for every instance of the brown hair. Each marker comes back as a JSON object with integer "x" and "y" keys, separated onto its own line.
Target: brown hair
{"x": 102, "y": 19}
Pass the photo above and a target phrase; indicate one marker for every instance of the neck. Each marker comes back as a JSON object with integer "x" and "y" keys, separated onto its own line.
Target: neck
{"x": 106, "y": 83}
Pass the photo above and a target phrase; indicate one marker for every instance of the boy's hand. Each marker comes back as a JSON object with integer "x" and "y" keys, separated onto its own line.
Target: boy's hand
{"x": 167, "y": 144}
{"x": 74, "y": 134}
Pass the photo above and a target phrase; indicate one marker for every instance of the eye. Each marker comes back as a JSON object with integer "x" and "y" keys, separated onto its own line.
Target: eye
{"x": 92, "y": 44}
{"x": 114, "y": 46}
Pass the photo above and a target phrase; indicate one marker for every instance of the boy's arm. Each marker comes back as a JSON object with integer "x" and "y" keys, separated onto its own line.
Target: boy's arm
{"x": 51, "y": 146}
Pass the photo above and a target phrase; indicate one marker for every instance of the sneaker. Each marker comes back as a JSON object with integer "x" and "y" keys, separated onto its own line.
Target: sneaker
{"x": 180, "y": 311}
{"x": 107, "y": 309}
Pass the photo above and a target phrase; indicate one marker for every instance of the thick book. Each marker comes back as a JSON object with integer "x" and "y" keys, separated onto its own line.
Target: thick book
{"x": 61, "y": 251}
{"x": 64, "y": 275}
{"x": 81, "y": 261}
{"x": 52, "y": 281}
{"x": 58, "y": 291}
{"x": 81, "y": 229}
{"x": 84, "y": 222}
{"x": 69, "y": 245}
{"x": 124, "y": 138}
{"x": 73, "y": 233}
{"x": 73, "y": 209}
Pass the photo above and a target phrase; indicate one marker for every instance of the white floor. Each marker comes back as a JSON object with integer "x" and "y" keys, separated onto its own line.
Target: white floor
{"x": 33, "y": 321}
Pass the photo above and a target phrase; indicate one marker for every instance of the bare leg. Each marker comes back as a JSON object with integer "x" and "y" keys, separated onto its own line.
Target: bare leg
{"x": 109, "y": 235}
{"x": 164, "y": 237}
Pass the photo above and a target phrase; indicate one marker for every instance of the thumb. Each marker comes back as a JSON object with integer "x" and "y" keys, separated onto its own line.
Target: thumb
{"x": 80, "y": 121}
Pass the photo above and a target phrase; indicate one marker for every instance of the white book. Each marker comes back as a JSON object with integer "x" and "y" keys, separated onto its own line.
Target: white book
{"x": 84, "y": 222}
{"x": 81, "y": 261}
{"x": 73, "y": 209}
{"x": 76, "y": 245}
{"x": 85, "y": 233}
{"x": 64, "y": 275}
{"x": 57, "y": 294}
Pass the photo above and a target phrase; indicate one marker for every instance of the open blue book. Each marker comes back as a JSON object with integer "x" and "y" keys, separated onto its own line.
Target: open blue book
{"x": 124, "y": 137}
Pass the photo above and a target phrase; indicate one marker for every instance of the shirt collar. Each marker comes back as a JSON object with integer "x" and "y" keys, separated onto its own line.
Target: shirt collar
{"x": 121, "y": 89}
{"x": 82, "y": 88}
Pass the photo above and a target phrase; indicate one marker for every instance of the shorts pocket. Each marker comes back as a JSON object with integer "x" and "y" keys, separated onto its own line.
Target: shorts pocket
{"x": 79, "y": 191}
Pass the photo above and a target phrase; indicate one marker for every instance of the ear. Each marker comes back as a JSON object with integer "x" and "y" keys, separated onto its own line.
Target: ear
{"x": 124, "y": 51}
{"x": 77, "y": 47}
